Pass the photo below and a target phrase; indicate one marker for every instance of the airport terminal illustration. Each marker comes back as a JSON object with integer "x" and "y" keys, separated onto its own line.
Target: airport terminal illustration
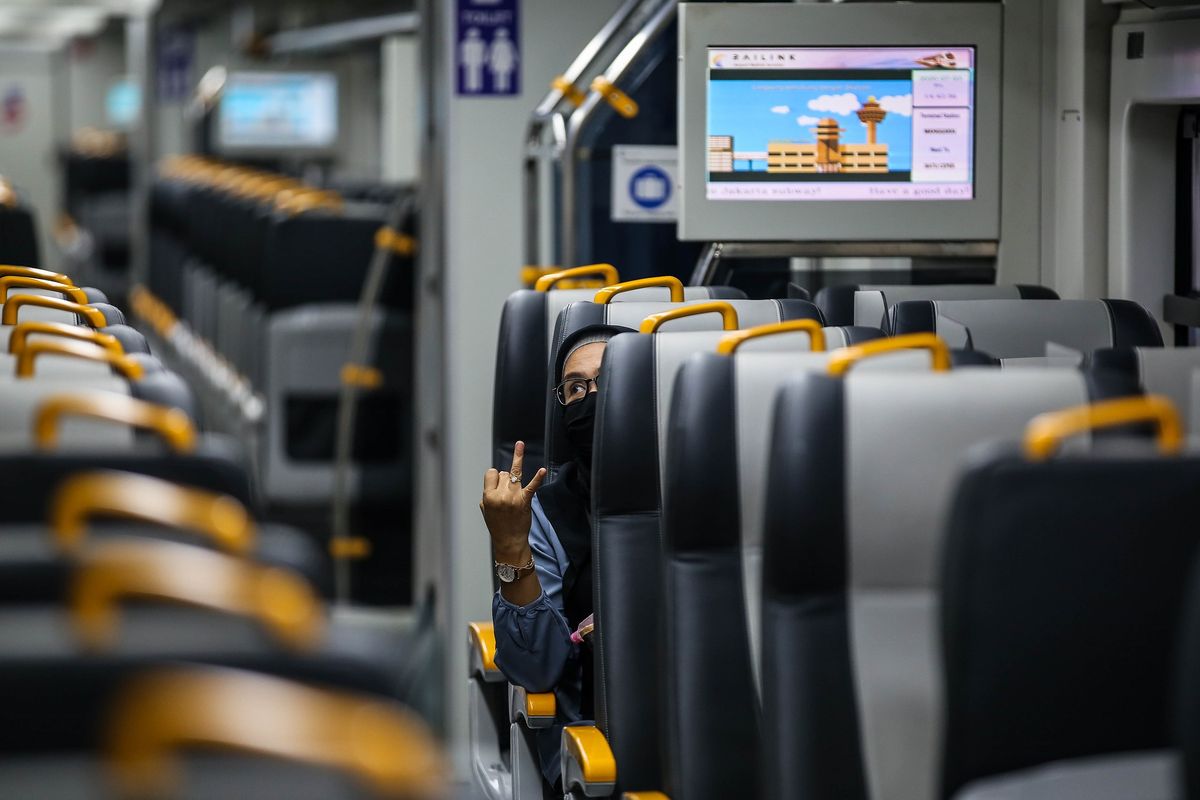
{"x": 827, "y": 155}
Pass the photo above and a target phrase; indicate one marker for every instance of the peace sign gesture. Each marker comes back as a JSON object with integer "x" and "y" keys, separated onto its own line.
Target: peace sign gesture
{"x": 506, "y": 506}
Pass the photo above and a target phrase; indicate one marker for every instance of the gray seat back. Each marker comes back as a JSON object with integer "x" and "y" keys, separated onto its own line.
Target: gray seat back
{"x": 861, "y": 474}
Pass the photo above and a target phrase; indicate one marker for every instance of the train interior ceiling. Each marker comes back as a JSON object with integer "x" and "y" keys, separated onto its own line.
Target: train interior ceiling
{"x": 831, "y": 370}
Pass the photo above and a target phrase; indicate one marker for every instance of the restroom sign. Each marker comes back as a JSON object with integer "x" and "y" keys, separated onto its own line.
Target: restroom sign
{"x": 644, "y": 183}
{"x": 488, "y": 48}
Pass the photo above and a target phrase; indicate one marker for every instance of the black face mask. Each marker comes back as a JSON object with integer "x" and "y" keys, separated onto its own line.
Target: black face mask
{"x": 580, "y": 419}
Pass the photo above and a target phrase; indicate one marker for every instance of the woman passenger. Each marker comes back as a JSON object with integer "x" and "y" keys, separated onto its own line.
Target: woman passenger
{"x": 541, "y": 543}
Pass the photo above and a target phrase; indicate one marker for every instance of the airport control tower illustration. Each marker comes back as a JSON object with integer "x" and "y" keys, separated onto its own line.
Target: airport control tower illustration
{"x": 829, "y": 154}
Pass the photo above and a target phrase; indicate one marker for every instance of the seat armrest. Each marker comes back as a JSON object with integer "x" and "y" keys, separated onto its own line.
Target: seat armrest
{"x": 534, "y": 709}
{"x": 588, "y": 765}
{"x": 481, "y": 652}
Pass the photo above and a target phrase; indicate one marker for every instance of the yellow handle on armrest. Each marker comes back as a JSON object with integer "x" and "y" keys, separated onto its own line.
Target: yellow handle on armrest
{"x": 280, "y": 600}
{"x": 126, "y": 366}
{"x": 389, "y": 749}
{"x": 606, "y": 294}
{"x": 842, "y": 359}
{"x": 217, "y": 517}
{"x": 35, "y": 272}
{"x": 481, "y": 637}
{"x": 22, "y": 331}
{"x": 607, "y": 271}
{"x": 730, "y": 342}
{"x": 172, "y": 425}
{"x": 729, "y": 317}
{"x": 1045, "y": 432}
{"x": 590, "y": 750}
{"x": 92, "y": 316}
{"x": 644, "y": 796}
{"x": 9, "y": 282}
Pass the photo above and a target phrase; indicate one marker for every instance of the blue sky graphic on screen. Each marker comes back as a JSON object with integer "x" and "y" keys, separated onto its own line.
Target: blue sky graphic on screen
{"x": 279, "y": 110}
{"x": 840, "y": 123}
{"x": 757, "y": 112}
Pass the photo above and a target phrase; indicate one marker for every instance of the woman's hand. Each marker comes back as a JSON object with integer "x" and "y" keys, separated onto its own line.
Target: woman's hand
{"x": 507, "y": 509}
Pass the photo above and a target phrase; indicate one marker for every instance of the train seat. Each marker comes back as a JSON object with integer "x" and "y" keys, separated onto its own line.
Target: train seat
{"x": 1062, "y": 585}
{"x": 524, "y": 348}
{"x": 743, "y": 313}
{"x": 188, "y": 731}
{"x": 860, "y": 476}
{"x": 631, "y": 428}
{"x": 1011, "y": 329}
{"x": 712, "y": 543}
{"x": 868, "y": 304}
{"x": 1169, "y": 371}
{"x": 18, "y": 234}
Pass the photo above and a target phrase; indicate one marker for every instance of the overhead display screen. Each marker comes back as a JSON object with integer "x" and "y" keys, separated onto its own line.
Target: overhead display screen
{"x": 840, "y": 123}
{"x": 273, "y": 110}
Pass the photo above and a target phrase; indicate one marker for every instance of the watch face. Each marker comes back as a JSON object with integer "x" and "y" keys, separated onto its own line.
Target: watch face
{"x": 506, "y": 573}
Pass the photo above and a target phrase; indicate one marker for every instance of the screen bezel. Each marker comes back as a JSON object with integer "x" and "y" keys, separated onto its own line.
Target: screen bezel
{"x": 280, "y": 150}
{"x": 734, "y": 25}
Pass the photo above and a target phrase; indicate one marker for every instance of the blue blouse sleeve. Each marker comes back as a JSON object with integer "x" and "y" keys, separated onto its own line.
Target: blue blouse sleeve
{"x": 533, "y": 642}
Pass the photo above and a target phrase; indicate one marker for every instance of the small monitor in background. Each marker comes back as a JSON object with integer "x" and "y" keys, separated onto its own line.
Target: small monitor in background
{"x": 122, "y": 104}
{"x": 278, "y": 111}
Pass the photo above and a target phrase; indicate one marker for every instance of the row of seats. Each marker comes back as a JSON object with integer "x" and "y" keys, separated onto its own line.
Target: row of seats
{"x": 156, "y": 637}
{"x": 849, "y": 561}
{"x": 266, "y": 273}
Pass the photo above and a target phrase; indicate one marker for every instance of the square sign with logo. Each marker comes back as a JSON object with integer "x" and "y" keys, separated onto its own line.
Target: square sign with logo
{"x": 487, "y": 49}
{"x": 645, "y": 179}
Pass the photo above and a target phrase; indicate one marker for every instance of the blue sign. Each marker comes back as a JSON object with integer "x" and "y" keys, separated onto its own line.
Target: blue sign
{"x": 488, "y": 47}
{"x": 176, "y": 52}
{"x": 650, "y": 187}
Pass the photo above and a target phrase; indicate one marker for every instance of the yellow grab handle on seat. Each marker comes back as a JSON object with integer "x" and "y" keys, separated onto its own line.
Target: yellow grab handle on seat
{"x": 606, "y": 294}
{"x": 22, "y": 331}
{"x": 644, "y": 796}
{"x": 1045, "y": 432}
{"x": 729, "y": 317}
{"x": 9, "y": 282}
{"x": 92, "y": 316}
{"x": 386, "y": 747}
{"x": 590, "y": 749}
{"x": 843, "y": 358}
{"x": 279, "y": 599}
{"x": 217, "y": 517}
{"x": 35, "y": 272}
{"x": 622, "y": 103}
{"x": 607, "y": 271}
{"x": 730, "y": 342}
{"x": 482, "y": 637}
{"x": 171, "y": 424}
{"x": 129, "y": 369}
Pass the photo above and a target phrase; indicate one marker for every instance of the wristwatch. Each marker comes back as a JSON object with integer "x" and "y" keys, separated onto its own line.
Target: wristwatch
{"x": 507, "y": 573}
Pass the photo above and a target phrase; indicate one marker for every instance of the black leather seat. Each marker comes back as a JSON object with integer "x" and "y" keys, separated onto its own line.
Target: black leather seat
{"x": 1022, "y": 329}
{"x": 1169, "y": 371}
{"x": 713, "y": 492}
{"x": 1062, "y": 588}
{"x": 750, "y": 313}
{"x": 860, "y": 477}
{"x": 524, "y": 348}
{"x": 635, "y": 396}
{"x": 867, "y": 304}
